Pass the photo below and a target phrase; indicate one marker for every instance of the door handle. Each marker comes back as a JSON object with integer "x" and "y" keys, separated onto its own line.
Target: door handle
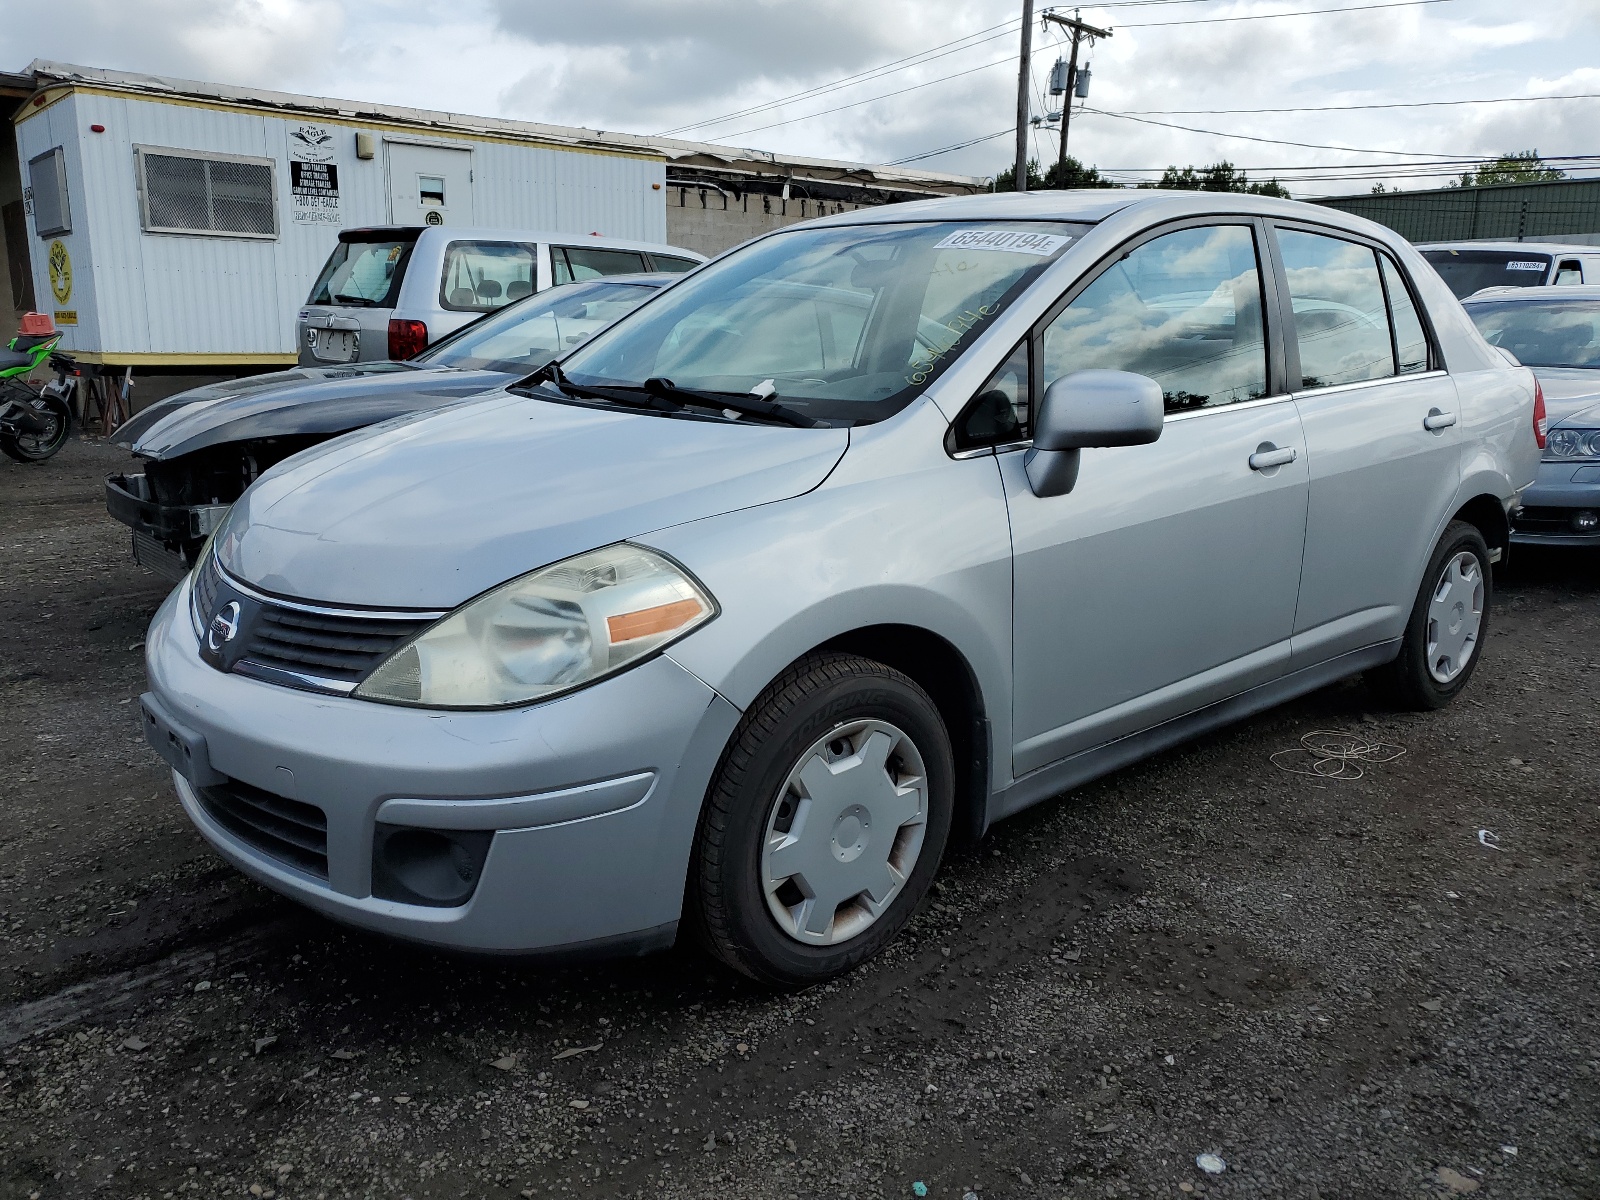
{"x": 1265, "y": 460}
{"x": 1437, "y": 420}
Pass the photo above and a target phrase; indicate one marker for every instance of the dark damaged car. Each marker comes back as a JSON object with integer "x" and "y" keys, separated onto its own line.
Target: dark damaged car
{"x": 202, "y": 448}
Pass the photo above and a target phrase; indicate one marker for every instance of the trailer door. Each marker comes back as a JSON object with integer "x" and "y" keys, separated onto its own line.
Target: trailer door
{"x": 429, "y": 185}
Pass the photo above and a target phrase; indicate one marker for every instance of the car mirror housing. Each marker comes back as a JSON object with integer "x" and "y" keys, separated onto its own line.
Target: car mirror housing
{"x": 1089, "y": 408}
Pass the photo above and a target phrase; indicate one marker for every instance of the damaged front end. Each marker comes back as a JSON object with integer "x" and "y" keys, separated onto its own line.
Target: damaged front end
{"x": 175, "y": 504}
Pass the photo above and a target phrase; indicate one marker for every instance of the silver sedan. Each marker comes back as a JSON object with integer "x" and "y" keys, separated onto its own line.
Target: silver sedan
{"x": 1557, "y": 333}
{"x": 868, "y": 534}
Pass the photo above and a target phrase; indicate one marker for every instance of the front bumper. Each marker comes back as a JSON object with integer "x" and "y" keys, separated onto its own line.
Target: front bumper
{"x": 593, "y": 798}
{"x": 162, "y": 533}
{"x": 1544, "y": 512}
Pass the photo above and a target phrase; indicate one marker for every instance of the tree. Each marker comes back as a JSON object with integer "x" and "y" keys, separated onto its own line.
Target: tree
{"x": 1220, "y": 177}
{"x": 1070, "y": 174}
{"x": 1006, "y": 181}
{"x": 1073, "y": 174}
{"x": 1524, "y": 166}
{"x": 1378, "y": 189}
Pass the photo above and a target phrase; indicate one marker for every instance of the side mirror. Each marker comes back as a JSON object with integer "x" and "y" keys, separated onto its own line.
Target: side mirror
{"x": 1089, "y": 408}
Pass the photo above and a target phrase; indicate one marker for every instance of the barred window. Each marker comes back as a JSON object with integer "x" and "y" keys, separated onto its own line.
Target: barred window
{"x": 183, "y": 192}
{"x": 47, "y": 178}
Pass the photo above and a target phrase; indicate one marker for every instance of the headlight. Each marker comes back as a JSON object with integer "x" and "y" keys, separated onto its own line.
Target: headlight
{"x": 1573, "y": 443}
{"x": 556, "y": 629}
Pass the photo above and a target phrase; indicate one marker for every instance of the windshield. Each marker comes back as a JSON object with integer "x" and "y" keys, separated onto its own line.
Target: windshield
{"x": 366, "y": 274}
{"x": 1542, "y": 333}
{"x": 836, "y": 323}
{"x": 1468, "y": 271}
{"x": 522, "y": 337}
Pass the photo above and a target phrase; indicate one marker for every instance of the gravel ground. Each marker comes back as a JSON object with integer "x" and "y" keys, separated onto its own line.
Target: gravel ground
{"x": 1336, "y": 986}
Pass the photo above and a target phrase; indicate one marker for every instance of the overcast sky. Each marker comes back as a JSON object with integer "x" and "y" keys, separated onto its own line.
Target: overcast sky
{"x": 649, "y": 66}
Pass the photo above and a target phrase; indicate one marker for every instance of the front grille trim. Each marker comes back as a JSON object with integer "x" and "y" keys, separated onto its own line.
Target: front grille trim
{"x": 288, "y": 831}
{"x": 311, "y": 647}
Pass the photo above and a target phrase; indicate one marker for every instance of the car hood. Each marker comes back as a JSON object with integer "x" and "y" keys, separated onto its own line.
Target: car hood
{"x": 309, "y": 400}
{"x": 1571, "y": 395}
{"x": 429, "y": 512}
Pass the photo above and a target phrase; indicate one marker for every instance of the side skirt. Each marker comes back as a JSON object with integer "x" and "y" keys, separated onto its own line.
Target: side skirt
{"x": 1113, "y": 756}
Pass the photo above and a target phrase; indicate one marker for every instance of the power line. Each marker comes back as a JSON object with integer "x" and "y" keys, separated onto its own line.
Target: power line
{"x": 1245, "y": 137}
{"x": 1312, "y": 12}
{"x": 1220, "y": 112}
{"x": 1005, "y": 28}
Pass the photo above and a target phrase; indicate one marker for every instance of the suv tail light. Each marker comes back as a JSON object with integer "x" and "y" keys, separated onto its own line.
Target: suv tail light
{"x": 407, "y": 339}
{"x": 1541, "y": 423}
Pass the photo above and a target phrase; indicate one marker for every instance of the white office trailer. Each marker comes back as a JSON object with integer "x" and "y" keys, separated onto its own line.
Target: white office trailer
{"x": 180, "y": 224}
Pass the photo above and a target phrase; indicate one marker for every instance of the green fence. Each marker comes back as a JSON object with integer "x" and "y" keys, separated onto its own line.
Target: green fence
{"x": 1530, "y": 211}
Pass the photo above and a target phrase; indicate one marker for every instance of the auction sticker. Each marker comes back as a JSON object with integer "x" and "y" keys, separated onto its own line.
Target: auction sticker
{"x": 1011, "y": 240}
{"x": 1517, "y": 264}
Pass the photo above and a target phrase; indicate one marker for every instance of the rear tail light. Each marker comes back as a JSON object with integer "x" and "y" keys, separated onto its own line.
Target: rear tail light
{"x": 407, "y": 339}
{"x": 1541, "y": 423}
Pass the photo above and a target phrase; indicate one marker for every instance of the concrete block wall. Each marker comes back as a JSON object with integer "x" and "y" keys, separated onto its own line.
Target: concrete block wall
{"x": 711, "y": 220}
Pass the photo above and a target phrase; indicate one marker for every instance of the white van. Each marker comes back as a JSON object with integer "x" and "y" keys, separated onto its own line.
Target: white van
{"x": 389, "y": 291}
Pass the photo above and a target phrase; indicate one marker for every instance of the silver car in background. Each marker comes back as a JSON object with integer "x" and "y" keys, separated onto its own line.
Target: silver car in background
{"x": 1557, "y": 333}
{"x": 871, "y": 532}
{"x": 391, "y": 291}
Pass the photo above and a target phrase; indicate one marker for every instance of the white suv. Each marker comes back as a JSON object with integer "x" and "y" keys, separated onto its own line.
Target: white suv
{"x": 390, "y": 291}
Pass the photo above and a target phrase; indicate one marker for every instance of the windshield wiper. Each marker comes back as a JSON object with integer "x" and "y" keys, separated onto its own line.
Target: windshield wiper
{"x": 358, "y": 300}
{"x": 552, "y": 373}
{"x": 736, "y": 402}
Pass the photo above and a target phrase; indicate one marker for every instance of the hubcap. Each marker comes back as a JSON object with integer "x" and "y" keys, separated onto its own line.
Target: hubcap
{"x": 845, "y": 832}
{"x": 1455, "y": 615}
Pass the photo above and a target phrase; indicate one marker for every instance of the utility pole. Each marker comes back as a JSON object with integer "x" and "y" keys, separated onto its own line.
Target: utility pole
{"x": 1080, "y": 33}
{"x": 1024, "y": 103}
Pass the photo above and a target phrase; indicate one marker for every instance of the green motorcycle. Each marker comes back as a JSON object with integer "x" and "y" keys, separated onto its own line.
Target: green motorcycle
{"x": 34, "y": 422}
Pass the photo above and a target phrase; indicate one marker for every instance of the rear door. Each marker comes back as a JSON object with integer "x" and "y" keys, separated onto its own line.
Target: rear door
{"x": 429, "y": 185}
{"x": 1382, "y": 433}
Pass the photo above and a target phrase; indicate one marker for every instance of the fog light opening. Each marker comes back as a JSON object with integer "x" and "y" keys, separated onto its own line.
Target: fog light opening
{"x": 434, "y": 867}
{"x": 1585, "y": 521}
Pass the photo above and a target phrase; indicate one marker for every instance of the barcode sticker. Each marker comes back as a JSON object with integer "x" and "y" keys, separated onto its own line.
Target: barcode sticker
{"x": 1522, "y": 265}
{"x": 1010, "y": 240}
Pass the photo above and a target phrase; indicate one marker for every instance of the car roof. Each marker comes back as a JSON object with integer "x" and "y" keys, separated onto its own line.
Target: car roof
{"x": 1535, "y": 247}
{"x": 1092, "y": 206}
{"x": 1549, "y": 293}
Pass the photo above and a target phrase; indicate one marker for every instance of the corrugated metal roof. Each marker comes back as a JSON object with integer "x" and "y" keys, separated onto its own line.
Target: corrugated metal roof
{"x": 1513, "y": 211}
{"x": 44, "y": 73}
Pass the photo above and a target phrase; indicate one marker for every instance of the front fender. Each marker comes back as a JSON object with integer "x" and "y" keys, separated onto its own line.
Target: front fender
{"x": 900, "y": 534}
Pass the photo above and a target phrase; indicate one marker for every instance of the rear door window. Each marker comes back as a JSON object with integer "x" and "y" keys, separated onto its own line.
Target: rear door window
{"x": 571, "y": 264}
{"x": 482, "y": 276}
{"x": 671, "y": 262}
{"x": 1410, "y": 339}
{"x": 365, "y": 274}
{"x": 1341, "y": 318}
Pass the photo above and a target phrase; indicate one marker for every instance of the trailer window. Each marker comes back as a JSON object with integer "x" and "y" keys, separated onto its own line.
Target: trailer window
{"x": 482, "y": 276}
{"x": 217, "y": 194}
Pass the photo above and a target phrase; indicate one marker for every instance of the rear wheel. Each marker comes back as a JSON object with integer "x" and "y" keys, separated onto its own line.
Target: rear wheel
{"x": 1449, "y": 623}
{"x": 55, "y": 421}
{"x": 825, "y": 822}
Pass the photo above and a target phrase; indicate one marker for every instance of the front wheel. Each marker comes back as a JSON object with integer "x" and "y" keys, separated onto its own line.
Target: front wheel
{"x": 1449, "y": 623}
{"x": 825, "y": 822}
{"x": 53, "y": 417}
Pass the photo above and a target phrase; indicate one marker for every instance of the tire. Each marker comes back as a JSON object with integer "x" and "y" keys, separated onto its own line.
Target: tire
{"x": 30, "y": 448}
{"x": 1434, "y": 663}
{"x": 833, "y": 743}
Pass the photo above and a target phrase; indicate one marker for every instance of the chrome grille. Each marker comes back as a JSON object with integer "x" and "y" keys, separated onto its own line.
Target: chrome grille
{"x": 303, "y": 645}
{"x": 284, "y": 829}
{"x": 340, "y": 649}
